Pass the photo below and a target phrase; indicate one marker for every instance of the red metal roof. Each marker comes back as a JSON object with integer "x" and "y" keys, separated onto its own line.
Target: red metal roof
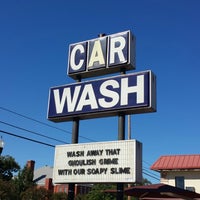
{"x": 176, "y": 162}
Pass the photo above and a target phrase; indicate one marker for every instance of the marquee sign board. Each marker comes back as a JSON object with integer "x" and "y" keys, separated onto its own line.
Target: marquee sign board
{"x": 131, "y": 94}
{"x": 118, "y": 161}
{"x": 103, "y": 55}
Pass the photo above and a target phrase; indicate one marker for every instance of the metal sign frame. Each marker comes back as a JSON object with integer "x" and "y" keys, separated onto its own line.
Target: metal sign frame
{"x": 103, "y": 97}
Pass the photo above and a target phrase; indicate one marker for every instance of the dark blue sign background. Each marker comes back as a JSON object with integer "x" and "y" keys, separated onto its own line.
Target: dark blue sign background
{"x": 123, "y": 56}
{"x": 87, "y": 112}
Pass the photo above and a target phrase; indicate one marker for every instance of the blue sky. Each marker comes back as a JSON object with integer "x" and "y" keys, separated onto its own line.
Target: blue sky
{"x": 34, "y": 41}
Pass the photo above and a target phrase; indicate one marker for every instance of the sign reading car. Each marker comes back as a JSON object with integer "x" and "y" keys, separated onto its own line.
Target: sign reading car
{"x": 130, "y": 94}
{"x": 103, "y": 55}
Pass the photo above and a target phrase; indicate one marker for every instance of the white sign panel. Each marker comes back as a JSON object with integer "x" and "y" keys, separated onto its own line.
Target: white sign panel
{"x": 116, "y": 161}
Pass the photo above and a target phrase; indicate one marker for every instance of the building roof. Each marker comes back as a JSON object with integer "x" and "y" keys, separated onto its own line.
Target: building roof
{"x": 160, "y": 191}
{"x": 177, "y": 162}
{"x": 41, "y": 174}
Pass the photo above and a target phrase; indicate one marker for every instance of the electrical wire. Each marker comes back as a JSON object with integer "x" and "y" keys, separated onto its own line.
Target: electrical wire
{"x": 150, "y": 172}
{"x": 147, "y": 170}
{"x": 151, "y": 176}
{"x": 25, "y": 138}
{"x": 33, "y": 132}
{"x": 45, "y": 124}
{"x": 147, "y": 163}
{"x": 147, "y": 173}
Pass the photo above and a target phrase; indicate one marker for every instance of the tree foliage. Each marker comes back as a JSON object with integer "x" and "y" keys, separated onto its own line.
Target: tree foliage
{"x": 60, "y": 196}
{"x": 8, "y": 166}
{"x": 21, "y": 187}
{"x": 35, "y": 193}
{"x": 81, "y": 197}
{"x": 8, "y": 190}
{"x": 24, "y": 180}
{"x": 98, "y": 193}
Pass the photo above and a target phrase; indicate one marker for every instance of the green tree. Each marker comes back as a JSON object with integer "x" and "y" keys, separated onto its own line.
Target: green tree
{"x": 24, "y": 180}
{"x": 7, "y": 190}
{"x": 8, "y": 166}
{"x": 59, "y": 196}
{"x": 146, "y": 182}
{"x": 98, "y": 193}
{"x": 34, "y": 193}
{"x": 81, "y": 197}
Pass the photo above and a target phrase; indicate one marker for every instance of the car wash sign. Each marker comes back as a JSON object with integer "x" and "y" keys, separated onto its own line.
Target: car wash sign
{"x": 119, "y": 161}
{"x": 102, "y": 55}
{"x": 130, "y": 94}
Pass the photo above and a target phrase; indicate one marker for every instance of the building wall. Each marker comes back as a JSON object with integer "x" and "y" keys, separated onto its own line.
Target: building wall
{"x": 191, "y": 178}
{"x": 79, "y": 189}
{"x": 44, "y": 181}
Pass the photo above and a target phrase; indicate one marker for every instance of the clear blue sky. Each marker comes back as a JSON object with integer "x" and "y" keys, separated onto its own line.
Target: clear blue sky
{"x": 34, "y": 40}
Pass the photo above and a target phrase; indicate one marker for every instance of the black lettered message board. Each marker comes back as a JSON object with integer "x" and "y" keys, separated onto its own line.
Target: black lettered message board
{"x": 116, "y": 161}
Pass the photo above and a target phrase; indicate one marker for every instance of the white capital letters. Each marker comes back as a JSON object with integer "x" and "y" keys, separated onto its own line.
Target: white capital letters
{"x": 138, "y": 89}
{"x": 117, "y": 49}
{"x": 66, "y": 97}
{"x": 87, "y": 98}
{"x": 114, "y": 96}
{"x": 97, "y": 54}
{"x": 73, "y": 56}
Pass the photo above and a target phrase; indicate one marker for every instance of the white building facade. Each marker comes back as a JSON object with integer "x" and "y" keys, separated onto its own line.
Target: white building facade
{"x": 181, "y": 171}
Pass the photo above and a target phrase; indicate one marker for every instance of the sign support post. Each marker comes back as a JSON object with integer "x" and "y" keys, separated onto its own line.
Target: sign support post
{"x": 75, "y": 135}
{"x": 129, "y": 138}
{"x": 121, "y": 136}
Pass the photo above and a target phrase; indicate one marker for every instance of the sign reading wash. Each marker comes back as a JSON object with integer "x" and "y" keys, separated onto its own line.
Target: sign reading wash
{"x": 119, "y": 161}
{"x": 131, "y": 93}
{"x": 102, "y": 55}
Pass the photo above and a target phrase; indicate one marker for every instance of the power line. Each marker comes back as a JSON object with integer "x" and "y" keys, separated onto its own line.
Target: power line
{"x": 25, "y": 138}
{"x": 146, "y": 169}
{"x": 146, "y": 162}
{"x": 33, "y": 132}
{"x": 35, "y": 120}
{"x": 45, "y": 124}
{"x": 151, "y": 176}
